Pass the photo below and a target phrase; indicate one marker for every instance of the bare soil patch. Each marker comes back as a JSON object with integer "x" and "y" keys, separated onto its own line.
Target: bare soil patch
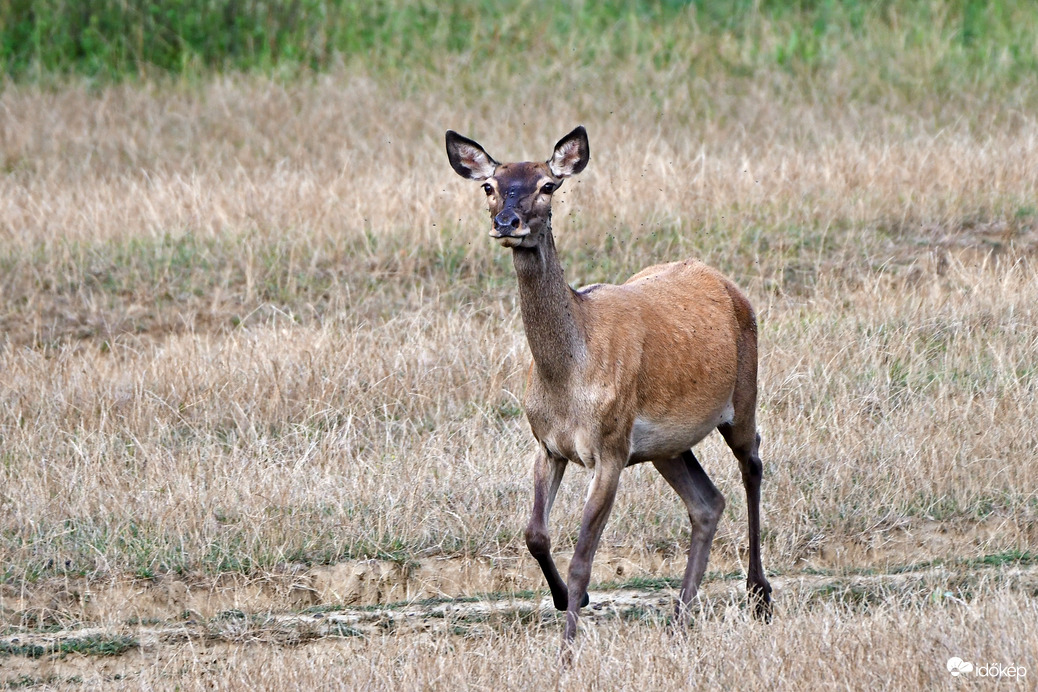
{"x": 366, "y": 583}
{"x": 96, "y": 654}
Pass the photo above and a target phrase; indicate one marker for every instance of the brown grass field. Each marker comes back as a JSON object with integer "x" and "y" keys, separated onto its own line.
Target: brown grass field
{"x": 260, "y": 374}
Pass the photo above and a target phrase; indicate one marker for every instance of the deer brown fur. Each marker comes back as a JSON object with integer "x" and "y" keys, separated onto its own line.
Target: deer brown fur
{"x": 623, "y": 374}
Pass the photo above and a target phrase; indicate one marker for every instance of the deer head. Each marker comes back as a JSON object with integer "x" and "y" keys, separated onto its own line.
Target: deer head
{"x": 519, "y": 194}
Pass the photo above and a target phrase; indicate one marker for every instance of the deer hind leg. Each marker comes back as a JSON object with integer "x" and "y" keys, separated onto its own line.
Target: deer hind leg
{"x": 547, "y": 476}
{"x": 745, "y": 443}
{"x": 705, "y": 504}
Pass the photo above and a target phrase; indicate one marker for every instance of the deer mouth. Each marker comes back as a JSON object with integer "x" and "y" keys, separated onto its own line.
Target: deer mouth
{"x": 509, "y": 237}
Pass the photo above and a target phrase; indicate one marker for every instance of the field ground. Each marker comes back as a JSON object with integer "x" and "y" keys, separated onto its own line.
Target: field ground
{"x": 261, "y": 371}
{"x": 257, "y": 634}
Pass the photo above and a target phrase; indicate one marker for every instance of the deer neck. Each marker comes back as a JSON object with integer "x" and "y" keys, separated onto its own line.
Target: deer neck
{"x": 550, "y": 310}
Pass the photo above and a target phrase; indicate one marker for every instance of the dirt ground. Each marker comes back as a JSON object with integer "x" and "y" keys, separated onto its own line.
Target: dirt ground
{"x": 77, "y": 632}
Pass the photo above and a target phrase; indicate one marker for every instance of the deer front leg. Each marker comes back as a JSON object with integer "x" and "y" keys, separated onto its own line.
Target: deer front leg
{"x": 547, "y": 475}
{"x": 596, "y": 512}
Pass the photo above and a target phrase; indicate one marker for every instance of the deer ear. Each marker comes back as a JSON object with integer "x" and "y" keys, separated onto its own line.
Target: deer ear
{"x": 468, "y": 158}
{"x": 571, "y": 154}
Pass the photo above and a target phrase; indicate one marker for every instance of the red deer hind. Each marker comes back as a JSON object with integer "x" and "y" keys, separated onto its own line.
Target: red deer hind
{"x": 623, "y": 374}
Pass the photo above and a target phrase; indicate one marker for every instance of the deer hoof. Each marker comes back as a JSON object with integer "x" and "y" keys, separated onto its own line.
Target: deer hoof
{"x": 760, "y": 601}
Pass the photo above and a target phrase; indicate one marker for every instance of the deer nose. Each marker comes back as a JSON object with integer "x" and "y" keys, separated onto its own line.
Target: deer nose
{"x": 507, "y": 221}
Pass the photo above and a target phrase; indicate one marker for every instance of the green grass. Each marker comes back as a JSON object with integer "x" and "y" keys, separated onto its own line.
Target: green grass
{"x": 972, "y": 40}
{"x": 25, "y": 681}
{"x": 101, "y": 645}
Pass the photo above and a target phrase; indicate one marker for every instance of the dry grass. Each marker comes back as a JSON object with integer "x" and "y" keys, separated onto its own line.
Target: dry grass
{"x": 889, "y": 648}
{"x": 900, "y": 643}
{"x": 248, "y": 324}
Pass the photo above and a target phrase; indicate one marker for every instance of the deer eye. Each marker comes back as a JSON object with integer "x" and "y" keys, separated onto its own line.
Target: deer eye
{"x": 488, "y": 188}
{"x": 548, "y": 188}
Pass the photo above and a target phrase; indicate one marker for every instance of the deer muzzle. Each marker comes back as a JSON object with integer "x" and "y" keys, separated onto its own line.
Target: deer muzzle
{"x": 508, "y": 228}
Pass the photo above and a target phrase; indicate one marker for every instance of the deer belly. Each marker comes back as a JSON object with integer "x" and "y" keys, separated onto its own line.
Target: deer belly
{"x": 660, "y": 440}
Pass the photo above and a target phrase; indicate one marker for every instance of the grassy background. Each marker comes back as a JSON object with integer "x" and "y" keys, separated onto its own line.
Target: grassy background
{"x": 961, "y": 40}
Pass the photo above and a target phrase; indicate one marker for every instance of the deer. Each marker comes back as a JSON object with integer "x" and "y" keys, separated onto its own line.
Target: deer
{"x": 621, "y": 375}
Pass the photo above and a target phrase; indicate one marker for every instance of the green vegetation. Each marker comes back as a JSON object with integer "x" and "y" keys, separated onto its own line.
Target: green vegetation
{"x": 99, "y": 645}
{"x": 989, "y": 40}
